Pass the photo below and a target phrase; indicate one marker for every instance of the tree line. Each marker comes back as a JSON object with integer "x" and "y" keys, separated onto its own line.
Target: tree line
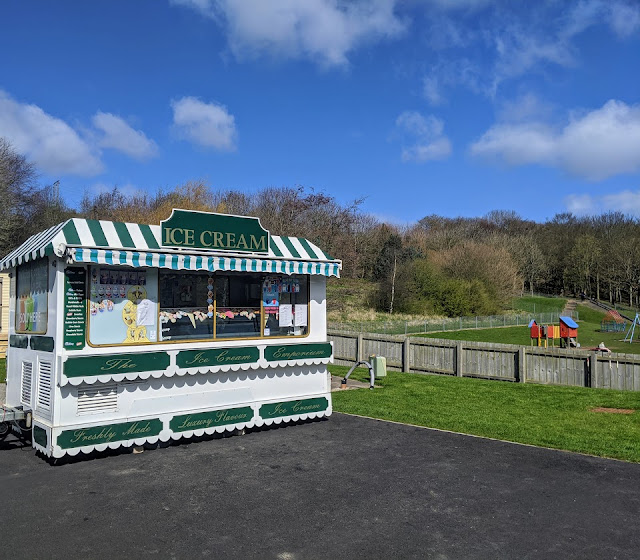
{"x": 439, "y": 265}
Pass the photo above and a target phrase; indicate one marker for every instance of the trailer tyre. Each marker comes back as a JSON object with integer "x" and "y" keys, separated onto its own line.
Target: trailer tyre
{"x": 5, "y": 428}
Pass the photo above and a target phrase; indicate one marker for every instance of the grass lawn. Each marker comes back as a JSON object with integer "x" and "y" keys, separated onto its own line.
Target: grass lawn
{"x": 557, "y": 417}
{"x": 535, "y": 304}
{"x": 589, "y": 335}
{"x": 3, "y": 370}
{"x": 502, "y": 335}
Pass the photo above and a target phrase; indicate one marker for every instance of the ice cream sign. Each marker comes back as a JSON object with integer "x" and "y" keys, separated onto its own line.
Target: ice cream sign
{"x": 214, "y": 232}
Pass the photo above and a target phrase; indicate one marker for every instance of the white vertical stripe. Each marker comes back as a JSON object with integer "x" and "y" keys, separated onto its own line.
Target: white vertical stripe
{"x": 283, "y": 248}
{"x": 86, "y": 239}
{"x": 157, "y": 233}
{"x": 299, "y": 248}
{"x": 136, "y": 236}
{"x": 110, "y": 233}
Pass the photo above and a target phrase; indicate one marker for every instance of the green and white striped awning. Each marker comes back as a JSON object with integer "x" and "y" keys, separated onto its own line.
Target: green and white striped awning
{"x": 138, "y": 245}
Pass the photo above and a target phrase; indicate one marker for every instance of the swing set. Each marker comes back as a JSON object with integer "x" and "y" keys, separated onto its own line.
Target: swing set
{"x": 632, "y": 329}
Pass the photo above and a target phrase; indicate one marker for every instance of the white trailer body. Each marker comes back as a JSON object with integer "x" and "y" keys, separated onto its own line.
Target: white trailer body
{"x": 123, "y": 334}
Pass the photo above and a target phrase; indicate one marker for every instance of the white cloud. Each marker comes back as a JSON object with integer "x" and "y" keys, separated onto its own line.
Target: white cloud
{"x": 425, "y": 136}
{"x": 581, "y": 204}
{"x": 49, "y": 142}
{"x": 627, "y": 202}
{"x": 624, "y": 18}
{"x": 459, "y": 4}
{"x": 323, "y": 30}
{"x": 444, "y": 75}
{"x": 205, "y": 124}
{"x": 528, "y": 107}
{"x": 504, "y": 41}
{"x": 419, "y": 153}
{"x": 432, "y": 90}
{"x": 594, "y": 145}
{"x": 118, "y": 135}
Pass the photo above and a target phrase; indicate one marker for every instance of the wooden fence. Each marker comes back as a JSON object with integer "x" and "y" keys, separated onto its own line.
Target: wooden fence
{"x": 486, "y": 360}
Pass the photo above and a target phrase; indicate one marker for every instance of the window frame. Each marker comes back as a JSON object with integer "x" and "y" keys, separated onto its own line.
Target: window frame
{"x": 214, "y": 339}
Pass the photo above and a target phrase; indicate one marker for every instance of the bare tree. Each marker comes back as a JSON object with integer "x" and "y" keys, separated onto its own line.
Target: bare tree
{"x": 17, "y": 185}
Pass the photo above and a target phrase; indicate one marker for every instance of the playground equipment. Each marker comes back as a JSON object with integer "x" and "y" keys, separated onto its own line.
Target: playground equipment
{"x": 612, "y": 322}
{"x": 632, "y": 329}
{"x": 566, "y": 332}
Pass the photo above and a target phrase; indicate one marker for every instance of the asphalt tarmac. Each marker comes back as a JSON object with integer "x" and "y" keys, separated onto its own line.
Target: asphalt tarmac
{"x": 342, "y": 488}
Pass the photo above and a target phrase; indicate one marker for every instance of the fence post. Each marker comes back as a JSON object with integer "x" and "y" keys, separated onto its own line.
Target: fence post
{"x": 406, "y": 355}
{"x": 593, "y": 370}
{"x": 522, "y": 365}
{"x": 458, "y": 356}
{"x": 359, "y": 347}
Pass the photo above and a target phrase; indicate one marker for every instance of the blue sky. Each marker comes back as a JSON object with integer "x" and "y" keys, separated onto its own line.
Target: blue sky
{"x": 450, "y": 107}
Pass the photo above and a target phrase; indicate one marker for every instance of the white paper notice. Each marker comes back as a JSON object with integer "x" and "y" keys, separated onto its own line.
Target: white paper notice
{"x": 146, "y": 313}
{"x": 286, "y": 315}
{"x": 301, "y": 315}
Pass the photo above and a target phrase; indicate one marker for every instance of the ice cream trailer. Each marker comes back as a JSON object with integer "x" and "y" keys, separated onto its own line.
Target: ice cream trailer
{"x": 127, "y": 334}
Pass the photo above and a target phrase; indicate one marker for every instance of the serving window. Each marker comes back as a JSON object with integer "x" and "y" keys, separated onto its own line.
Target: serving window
{"x": 196, "y": 306}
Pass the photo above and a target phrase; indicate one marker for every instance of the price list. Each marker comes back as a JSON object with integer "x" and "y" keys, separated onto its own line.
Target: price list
{"x": 75, "y": 296}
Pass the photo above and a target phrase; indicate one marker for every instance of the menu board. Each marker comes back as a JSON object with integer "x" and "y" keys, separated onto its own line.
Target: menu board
{"x": 75, "y": 297}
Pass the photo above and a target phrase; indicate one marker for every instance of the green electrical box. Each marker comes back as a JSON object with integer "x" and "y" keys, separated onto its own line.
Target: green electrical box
{"x": 379, "y": 365}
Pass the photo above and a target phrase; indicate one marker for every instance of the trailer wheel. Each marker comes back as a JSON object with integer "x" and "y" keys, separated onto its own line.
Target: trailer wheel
{"x": 5, "y": 428}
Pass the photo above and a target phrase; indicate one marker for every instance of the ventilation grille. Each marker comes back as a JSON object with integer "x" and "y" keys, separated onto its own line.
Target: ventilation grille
{"x": 96, "y": 400}
{"x": 45, "y": 370}
{"x": 27, "y": 375}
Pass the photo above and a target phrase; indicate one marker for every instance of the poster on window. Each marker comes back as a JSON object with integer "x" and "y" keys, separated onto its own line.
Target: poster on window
{"x": 286, "y": 315}
{"x": 300, "y": 315}
{"x": 32, "y": 297}
{"x": 271, "y": 295}
{"x": 123, "y": 306}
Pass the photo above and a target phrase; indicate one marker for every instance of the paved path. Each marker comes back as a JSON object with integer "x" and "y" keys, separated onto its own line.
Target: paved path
{"x": 343, "y": 488}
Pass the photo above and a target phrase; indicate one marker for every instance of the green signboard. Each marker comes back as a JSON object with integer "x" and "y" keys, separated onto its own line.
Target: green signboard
{"x": 75, "y": 305}
{"x": 215, "y": 232}
{"x": 18, "y": 341}
{"x": 202, "y": 420}
{"x": 116, "y": 363}
{"x": 42, "y": 343}
{"x": 291, "y": 408}
{"x": 283, "y": 352}
{"x": 217, "y": 357}
{"x": 40, "y": 435}
{"x": 96, "y": 435}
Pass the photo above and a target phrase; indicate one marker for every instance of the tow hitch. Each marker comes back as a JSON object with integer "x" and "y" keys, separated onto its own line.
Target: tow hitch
{"x": 14, "y": 417}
